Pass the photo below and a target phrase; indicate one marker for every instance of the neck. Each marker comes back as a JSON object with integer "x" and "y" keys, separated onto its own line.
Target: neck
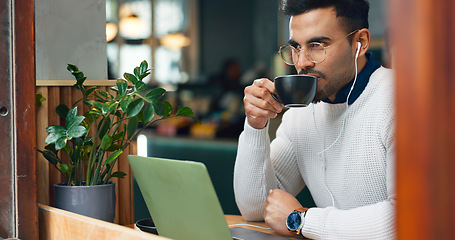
{"x": 361, "y": 62}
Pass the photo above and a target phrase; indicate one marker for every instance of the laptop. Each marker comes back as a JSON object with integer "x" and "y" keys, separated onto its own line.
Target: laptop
{"x": 182, "y": 201}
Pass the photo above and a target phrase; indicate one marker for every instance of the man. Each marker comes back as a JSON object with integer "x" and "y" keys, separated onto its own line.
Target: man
{"x": 341, "y": 146}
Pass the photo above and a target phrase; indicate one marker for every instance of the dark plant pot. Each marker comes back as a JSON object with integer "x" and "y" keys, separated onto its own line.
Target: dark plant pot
{"x": 96, "y": 201}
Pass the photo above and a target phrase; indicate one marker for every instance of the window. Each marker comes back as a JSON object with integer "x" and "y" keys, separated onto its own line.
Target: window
{"x": 157, "y": 31}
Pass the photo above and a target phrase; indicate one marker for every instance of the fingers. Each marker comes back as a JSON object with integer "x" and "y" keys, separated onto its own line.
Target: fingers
{"x": 262, "y": 90}
{"x": 259, "y": 103}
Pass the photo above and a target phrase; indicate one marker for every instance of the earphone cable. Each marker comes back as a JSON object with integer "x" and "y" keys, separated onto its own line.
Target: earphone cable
{"x": 343, "y": 123}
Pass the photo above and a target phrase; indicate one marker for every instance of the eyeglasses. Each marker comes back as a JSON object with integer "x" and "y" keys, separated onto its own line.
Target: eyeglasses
{"x": 315, "y": 51}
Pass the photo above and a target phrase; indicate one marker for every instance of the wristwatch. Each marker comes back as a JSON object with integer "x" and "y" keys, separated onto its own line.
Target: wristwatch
{"x": 295, "y": 220}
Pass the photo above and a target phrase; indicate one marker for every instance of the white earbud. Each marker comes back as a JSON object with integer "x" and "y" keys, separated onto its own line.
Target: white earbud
{"x": 358, "y": 50}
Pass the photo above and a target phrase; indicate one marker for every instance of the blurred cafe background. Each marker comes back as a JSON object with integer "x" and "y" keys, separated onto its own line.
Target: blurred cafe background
{"x": 203, "y": 52}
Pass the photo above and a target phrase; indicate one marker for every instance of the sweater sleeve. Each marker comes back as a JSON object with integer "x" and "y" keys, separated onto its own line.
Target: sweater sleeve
{"x": 261, "y": 166}
{"x": 250, "y": 181}
{"x": 368, "y": 222}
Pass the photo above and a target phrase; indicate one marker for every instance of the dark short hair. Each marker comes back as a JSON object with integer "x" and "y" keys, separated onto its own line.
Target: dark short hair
{"x": 353, "y": 12}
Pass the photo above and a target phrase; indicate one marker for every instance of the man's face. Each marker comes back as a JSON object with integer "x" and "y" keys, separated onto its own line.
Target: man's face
{"x": 321, "y": 25}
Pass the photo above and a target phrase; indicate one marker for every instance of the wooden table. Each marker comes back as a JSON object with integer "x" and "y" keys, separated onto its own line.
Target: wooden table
{"x": 239, "y": 221}
{"x": 57, "y": 224}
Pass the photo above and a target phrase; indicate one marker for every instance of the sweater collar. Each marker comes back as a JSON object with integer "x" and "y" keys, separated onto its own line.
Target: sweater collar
{"x": 362, "y": 80}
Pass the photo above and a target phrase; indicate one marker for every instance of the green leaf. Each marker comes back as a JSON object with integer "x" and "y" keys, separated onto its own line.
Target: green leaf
{"x": 136, "y": 72}
{"x": 105, "y": 125}
{"x": 109, "y": 107}
{"x": 75, "y": 122}
{"x": 167, "y": 108}
{"x": 159, "y": 108}
{"x": 125, "y": 102}
{"x": 39, "y": 99}
{"x": 80, "y": 80}
{"x": 51, "y": 147}
{"x": 62, "y": 110}
{"x": 71, "y": 113}
{"x": 64, "y": 168}
{"x": 140, "y": 86}
{"x": 72, "y": 119}
{"x": 132, "y": 126}
{"x": 143, "y": 67}
{"x": 148, "y": 114}
{"x": 60, "y": 143}
{"x": 78, "y": 141}
{"x": 89, "y": 139}
{"x": 118, "y": 174}
{"x": 144, "y": 75}
{"x": 76, "y": 132}
{"x": 104, "y": 94}
{"x": 112, "y": 157}
{"x": 106, "y": 142}
{"x": 78, "y": 75}
{"x": 53, "y": 137}
{"x": 72, "y": 68}
{"x": 185, "y": 111}
{"x": 114, "y": 147}
{"x": 130, "y": 77}
{"x": 134, "y": 107}
{"x": 92, "y": 103}
{"x": 55, "y": 129}
{"x": 122, "y": 86}
{"x": 50, "y": 156}
{"x": 118, "y": 135}
{"x": 155, "y": 94}
{"x": 90, "y": 90}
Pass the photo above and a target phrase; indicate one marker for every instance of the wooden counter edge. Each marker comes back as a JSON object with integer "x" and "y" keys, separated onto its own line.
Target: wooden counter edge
{"x": 56, "y": 224}
{"x": 239, "y": 221}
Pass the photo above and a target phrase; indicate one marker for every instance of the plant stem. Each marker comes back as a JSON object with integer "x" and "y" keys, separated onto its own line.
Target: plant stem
{"x": 140, "y": 130}
{"x": 90, "y": 164}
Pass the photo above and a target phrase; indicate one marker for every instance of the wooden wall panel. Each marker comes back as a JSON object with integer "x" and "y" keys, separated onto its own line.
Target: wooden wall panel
{"x": 48, "y": 175}
{"x": 42, "y": 164}
{"x": 424, "y": 61}
{"x": 53, "y": 100}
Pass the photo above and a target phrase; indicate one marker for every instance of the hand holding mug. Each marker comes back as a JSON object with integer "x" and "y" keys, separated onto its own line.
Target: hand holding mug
{"x": 259, "y": 103}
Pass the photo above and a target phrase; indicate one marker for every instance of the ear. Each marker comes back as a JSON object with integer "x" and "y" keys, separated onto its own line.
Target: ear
{"x": 364, "y": 37}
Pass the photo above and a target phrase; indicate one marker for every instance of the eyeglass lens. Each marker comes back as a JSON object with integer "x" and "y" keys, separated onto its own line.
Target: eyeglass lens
{"x": 314, "y": 51}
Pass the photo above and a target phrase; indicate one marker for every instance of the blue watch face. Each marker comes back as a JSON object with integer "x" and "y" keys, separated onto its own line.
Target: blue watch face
{"x": 293, "y": 221}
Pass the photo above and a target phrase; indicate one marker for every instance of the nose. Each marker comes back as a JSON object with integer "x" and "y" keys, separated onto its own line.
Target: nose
{"x": 304, "y": 62}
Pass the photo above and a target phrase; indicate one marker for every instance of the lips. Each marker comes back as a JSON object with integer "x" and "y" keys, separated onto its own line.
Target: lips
{"x": 313, "y": 76}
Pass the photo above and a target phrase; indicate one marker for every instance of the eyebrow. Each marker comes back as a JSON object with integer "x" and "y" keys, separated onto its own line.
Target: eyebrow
{"x": 314, "y": 39}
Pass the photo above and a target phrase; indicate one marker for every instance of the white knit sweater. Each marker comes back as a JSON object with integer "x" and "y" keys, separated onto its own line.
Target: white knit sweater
{"x": 352, "y": 182}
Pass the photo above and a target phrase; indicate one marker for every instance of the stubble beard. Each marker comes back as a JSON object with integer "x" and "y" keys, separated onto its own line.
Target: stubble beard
{"x": 332, "y": 85}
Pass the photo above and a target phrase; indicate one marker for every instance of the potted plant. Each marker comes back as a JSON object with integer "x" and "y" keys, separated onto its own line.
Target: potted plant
{"x": 94, "y": 140}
